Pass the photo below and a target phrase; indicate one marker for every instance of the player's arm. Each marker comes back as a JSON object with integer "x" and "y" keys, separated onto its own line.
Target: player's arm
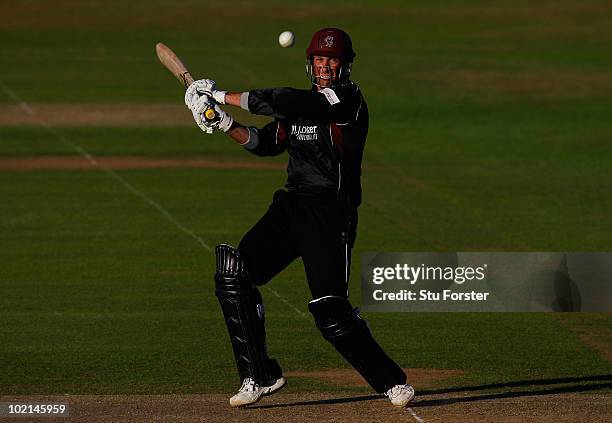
{"x": 267, "y": 141}
{"x": 239, "y": 133}
{"x": 289, "y": 103}
{"x": 326, "y": 105}
{"x": 271, "y": 140}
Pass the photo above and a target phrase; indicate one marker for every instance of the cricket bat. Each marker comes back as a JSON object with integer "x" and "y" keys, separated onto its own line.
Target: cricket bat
{"x": 171, "y": 61}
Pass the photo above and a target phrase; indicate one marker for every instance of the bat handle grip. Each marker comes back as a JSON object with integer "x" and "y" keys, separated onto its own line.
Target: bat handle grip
{"x": 210, "y": 115}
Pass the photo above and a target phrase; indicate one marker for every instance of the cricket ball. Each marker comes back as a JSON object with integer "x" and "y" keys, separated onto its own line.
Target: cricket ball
{"x": 286, "y": 39}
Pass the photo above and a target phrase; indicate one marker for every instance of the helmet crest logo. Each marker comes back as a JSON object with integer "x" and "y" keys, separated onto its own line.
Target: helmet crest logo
{"x": 328, "y": 41}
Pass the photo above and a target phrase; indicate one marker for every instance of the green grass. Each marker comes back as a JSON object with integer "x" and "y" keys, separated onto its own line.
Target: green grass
{"x": 489, "y": 131}
{"x": 105, "y": 295}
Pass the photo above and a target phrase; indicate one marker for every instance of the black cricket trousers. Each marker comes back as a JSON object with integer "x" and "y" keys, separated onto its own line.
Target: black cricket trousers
{"x": 320, "y": 229}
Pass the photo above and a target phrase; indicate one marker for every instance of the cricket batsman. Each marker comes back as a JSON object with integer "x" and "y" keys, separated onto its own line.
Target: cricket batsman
{"x": 323, "y": 129}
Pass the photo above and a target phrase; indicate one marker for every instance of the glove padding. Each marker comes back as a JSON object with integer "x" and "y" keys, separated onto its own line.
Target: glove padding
{"x": 198, "y": 105}
{"x": 223, "y": 121}
{"x": 203, "y": 86}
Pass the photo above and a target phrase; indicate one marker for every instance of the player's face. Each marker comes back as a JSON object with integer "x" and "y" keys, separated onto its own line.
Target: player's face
{"x": 325, "y": 70}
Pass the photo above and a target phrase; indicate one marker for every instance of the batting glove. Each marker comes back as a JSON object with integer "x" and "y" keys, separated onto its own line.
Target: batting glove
{"x": 225, "y": 120}
{"x": 222, "y": 121}
{"x": 204, "y": 86}
{"x": 191, "y": 96}
{"x": 198, "y": 108}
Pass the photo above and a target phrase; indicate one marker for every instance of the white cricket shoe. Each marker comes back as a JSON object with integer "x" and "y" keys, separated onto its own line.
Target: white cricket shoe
{"x": 400, "y": 395}
{"x": 250, "y": 392}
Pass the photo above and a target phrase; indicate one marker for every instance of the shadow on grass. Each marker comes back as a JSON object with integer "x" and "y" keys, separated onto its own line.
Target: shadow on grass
{"x": 519, "y": 383}
{"x": 580, "y": 387}
{"x": 513, "y": 394}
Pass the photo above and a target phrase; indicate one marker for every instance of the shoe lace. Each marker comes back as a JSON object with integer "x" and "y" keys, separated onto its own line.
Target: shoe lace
{"x": 248, "y": 384}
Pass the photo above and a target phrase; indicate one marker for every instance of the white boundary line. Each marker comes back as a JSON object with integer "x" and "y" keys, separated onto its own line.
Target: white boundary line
{"x": 91, "y": 159}
{"x": 297, "y": 310}
{"x": 413, "y": 414}
{"x": 85, "y": 154}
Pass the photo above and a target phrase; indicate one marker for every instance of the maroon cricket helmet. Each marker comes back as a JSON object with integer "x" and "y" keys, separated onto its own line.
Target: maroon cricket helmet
{"x": 331, "y": 42}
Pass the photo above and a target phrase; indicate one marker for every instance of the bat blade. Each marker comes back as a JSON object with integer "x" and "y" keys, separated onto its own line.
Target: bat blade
{"x": 170, "y": 60}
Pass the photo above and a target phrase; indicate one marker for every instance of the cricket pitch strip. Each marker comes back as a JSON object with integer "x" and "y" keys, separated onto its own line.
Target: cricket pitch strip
{"x": 515, "y": 406}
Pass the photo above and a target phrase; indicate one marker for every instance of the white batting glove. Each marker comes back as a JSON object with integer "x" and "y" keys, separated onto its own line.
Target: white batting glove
{"x": 191, "y": 96}
{"x": 204, "y": 86}
{"x": 198, "y": 88}
{"x": 198, "y": 108}
{"x": 225, "y": 119}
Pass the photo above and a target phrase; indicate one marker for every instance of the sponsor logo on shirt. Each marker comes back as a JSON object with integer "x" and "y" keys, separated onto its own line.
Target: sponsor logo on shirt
{"x": 304, "y": 132}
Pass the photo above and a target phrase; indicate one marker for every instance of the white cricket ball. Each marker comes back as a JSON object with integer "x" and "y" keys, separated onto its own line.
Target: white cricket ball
{"x": 286, "y": 39}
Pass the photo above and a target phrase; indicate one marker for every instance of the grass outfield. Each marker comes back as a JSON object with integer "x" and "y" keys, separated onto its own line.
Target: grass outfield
{"x": 489, "y": 131}
{"x": 116, "y": 299}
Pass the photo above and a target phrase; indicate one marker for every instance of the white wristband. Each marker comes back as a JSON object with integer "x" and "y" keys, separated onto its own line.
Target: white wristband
{"x": 244, "y": 101}
{"x": 219, "y": 96}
